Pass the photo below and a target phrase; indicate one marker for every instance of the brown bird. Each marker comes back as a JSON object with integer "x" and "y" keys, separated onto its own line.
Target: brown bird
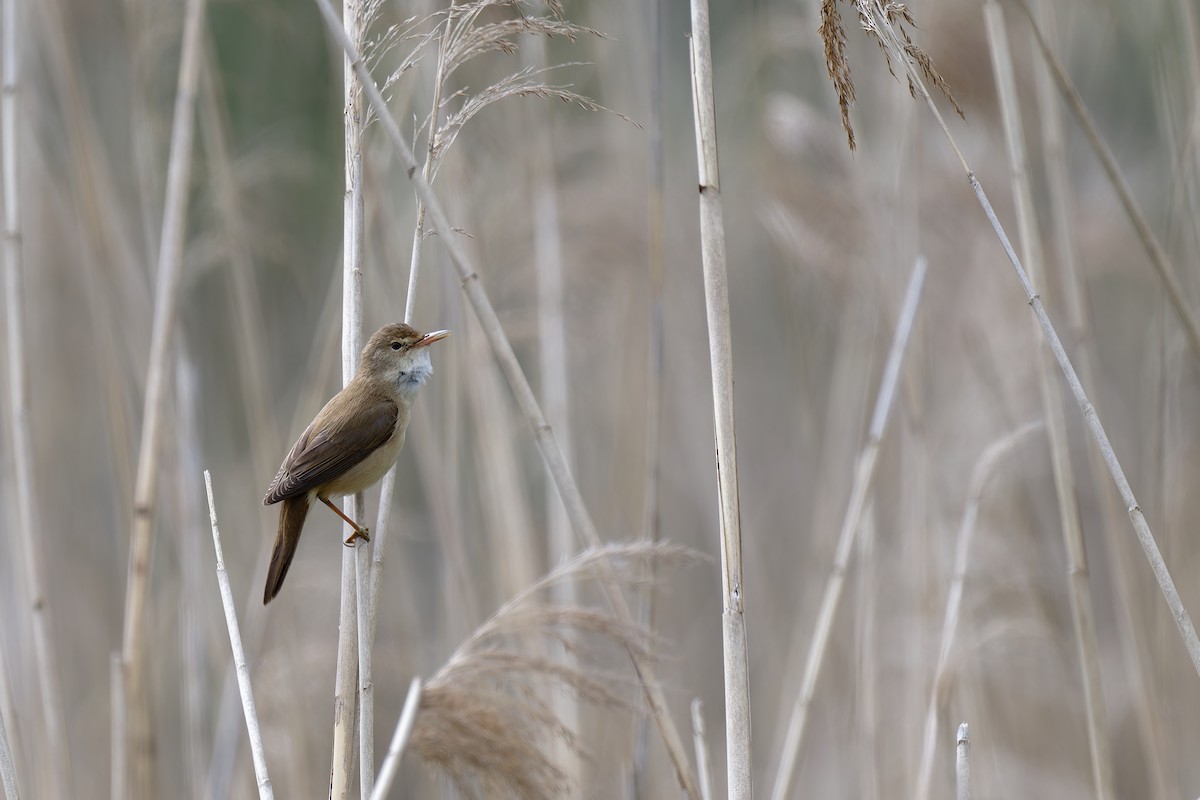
{"x": 352, "y": 442}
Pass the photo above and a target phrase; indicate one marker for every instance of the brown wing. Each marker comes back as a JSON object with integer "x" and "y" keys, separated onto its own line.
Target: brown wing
{"x": 328, "y": 449}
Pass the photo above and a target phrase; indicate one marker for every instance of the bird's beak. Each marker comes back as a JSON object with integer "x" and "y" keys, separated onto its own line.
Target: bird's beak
{"x": 430, "y": 338}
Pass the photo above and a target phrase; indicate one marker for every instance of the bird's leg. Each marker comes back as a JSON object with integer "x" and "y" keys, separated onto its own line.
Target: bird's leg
{"x": 359, "y": 531}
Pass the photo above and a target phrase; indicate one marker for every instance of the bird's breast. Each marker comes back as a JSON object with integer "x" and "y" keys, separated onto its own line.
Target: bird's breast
{"x": 367, "y": 472}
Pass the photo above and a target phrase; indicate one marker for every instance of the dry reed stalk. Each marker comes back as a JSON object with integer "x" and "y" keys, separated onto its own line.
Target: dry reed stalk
{"x": 1078, "y": 589}
{"x": 239, "y": 656}
{"x": 395, "y": 752}
{"x": 703, "y": 767}
{"x": 140, "y": 732}
{"x": 547, "y": 443}
{"x": 1159, "y": 259}
{"x": 29, "y": 528}
{"x": 193, "y": 662}
{"x": 118, "y": 727}
{"x": 983, "y": 470}
{"x": 347, "y": 687}
{"x": 864, "y": 475}
{"x": 8, "y": 769}
{"x": 552, "y": 362}
{"x": 1145, "y": 536}
{"x": 738, "y": 745}
{"x": 651, "y": 529}
{"x": 867, "y": 633}
{"x": 8, "y": 772}
{"x": 962, "y": 764}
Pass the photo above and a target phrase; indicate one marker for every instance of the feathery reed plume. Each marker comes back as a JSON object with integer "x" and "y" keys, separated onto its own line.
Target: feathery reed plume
{"x": 483, "y": 720}
{"x": 833, "y": 37}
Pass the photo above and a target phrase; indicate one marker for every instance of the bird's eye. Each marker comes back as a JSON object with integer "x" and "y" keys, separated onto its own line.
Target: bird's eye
{"x": 395, "y": 345}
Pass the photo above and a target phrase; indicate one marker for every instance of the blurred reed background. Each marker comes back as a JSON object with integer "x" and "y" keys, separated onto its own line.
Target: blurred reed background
{"x": 821, "y": 243}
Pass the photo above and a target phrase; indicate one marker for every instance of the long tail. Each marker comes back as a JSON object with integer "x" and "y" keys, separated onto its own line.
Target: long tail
{"x": 291, "y": 521}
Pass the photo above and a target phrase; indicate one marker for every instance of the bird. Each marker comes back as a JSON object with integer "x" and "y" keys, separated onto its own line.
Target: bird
{"x": 352, "y": 442}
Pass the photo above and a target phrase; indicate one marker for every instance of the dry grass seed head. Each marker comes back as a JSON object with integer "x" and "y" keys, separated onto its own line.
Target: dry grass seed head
{"x": 897, "y": 17}
{"x": 833, "y": 35}
{"x": 466, "y": 38}
{"x": 485, "y": 718}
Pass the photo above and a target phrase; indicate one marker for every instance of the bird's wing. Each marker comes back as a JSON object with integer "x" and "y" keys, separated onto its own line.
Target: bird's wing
{"x": 324, "y": 451}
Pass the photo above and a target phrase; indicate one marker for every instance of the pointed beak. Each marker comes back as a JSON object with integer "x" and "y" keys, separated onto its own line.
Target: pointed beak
{"x": 430, "y": 338}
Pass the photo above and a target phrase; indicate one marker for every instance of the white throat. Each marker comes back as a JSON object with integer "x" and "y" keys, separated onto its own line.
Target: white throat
{"x": 417, "y": 372}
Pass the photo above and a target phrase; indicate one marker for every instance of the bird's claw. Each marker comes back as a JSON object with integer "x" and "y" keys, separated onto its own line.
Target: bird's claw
{"x": 361, "y": 533}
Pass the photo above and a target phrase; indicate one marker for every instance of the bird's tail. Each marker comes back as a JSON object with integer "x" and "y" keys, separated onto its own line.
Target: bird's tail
{"x": 292, "y": 512}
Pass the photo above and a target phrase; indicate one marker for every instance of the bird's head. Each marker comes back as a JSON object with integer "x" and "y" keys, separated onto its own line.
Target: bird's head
{"x": 399, "y": 355}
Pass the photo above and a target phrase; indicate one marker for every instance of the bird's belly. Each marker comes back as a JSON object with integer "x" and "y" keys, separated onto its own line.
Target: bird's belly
{"x": 365, "y": 473}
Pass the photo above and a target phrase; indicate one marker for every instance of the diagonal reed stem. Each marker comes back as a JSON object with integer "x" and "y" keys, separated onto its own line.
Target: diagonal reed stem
{"x": 864, "y": 476}
{"x": 239, "y": 656}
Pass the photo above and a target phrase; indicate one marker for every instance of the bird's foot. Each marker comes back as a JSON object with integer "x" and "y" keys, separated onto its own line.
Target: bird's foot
{"x": 359, "y": 533}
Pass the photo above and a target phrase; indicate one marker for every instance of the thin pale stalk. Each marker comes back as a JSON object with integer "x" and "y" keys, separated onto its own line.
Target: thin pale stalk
{"x": 703, "y": 767}
{"x": 577, "y": 511}
{"x": 347, "y": 688}
{"x": 864, "y": 476}
{"x": 654, "y": 363}
{"x": 29, "y": 527}
{"x": 738, "y": 745}
{"x": 366, "y": 685}
{"x": 1078, "y": 590}
{"x": 170, "y": 258}
{"x": 435, "y": 113}
{"x": 866, "y": 660}
{"x": 8, "y": 769}
{"x": 118, "y": 727}
{"x": 552, "y": 370}
{"x": 1159, "y": 259}
{"x": 962, "y": 765}
{"x": 194, "y": 701}
{"x": 239, "y": 656}
{"x": 984, "y": 468}
{"x": 1162, "y": 575}
{"x": 8, "y": 773}
{"x": 404, "y": 728}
